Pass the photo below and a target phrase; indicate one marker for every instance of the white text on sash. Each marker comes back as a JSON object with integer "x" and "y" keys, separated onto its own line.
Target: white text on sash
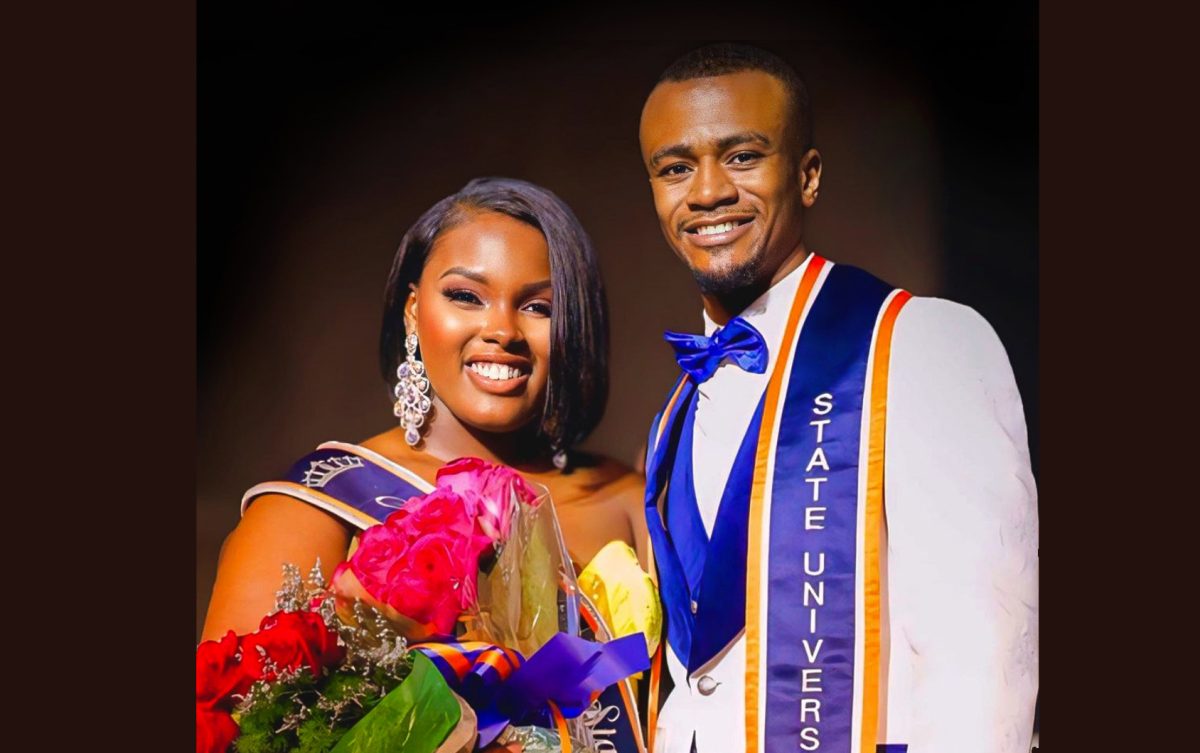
{"x": 815, "y": 474}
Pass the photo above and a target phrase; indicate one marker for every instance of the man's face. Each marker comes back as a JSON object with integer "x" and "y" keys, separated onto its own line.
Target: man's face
{"x": 727, "y": 181}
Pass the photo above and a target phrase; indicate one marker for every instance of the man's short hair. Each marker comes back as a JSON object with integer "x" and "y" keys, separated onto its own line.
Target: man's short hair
{"x": 726, "y": 57}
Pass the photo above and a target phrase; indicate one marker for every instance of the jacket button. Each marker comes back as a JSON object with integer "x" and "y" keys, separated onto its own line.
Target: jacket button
{"x": 706, "y": 685}
{"x": 695, "y": 606}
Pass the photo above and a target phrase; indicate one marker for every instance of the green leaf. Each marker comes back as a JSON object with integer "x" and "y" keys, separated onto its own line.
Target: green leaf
{"x": 413, "y": 718}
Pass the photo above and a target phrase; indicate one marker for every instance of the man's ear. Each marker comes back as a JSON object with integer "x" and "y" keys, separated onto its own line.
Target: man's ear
{"x": 810, "y": 177}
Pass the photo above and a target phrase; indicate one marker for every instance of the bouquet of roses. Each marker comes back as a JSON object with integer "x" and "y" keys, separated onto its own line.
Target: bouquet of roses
{"x": 451, "y": 625}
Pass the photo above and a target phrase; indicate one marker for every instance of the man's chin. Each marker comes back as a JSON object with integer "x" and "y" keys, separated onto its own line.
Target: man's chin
{"x": 728, "y": 280}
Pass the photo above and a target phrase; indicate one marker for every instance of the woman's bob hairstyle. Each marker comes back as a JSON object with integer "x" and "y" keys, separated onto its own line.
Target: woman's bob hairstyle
{"x": 577, "y": 389}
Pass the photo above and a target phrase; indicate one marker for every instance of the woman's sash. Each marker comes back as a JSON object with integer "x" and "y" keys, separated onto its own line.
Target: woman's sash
{"x": 813, "y": 512}
{"x": 348, "y": 481}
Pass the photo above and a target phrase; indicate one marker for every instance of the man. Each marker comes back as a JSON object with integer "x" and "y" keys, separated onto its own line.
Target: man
{"x": 838, "y": 489}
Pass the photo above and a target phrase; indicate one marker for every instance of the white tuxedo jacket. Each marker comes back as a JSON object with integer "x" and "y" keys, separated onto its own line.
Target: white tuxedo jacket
{"x": 959, "y": 647}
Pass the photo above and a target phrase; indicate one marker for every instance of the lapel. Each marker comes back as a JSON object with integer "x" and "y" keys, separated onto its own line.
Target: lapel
{"x": 672, "y": 582}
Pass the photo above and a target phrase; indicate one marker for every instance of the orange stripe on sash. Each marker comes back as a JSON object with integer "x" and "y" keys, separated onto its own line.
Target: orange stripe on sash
{"x": 629, "y": 707}
{"x": 652, "y": 704}
{"x": 662, "y": 422}
{"x": 754, "y": 544}
{"x": 873, "y": 521}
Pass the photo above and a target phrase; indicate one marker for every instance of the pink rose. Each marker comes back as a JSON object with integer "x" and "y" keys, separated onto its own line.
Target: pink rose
{"x": 429, "y": 582}
{"x": 421, "y": 563}
{"x": 348, "y": 590}
{"x": 440, "y": 510}
{"x": 488, "y": 488}
{"x": 429, "y": 585}
{"x": 379, "y": 548}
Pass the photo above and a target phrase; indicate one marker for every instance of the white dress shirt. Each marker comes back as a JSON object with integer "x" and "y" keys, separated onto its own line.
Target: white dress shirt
{"x": 960, "y": 566}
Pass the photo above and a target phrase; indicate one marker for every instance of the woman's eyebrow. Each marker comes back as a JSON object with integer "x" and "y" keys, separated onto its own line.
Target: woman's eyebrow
{"x": 533, "y": 287}
{"x": 470, "y": 274}
{"x": 481, "y": 278}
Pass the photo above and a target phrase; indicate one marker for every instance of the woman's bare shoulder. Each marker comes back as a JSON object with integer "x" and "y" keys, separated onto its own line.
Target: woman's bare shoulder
{"x": 601, "y": 475}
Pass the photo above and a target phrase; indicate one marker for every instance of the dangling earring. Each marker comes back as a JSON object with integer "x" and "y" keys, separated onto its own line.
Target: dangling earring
{"x": 412, "y": 392}
{"x": 560, "y": 458}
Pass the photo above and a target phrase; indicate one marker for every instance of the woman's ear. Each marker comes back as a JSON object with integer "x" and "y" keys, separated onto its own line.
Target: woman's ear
{"x": 410, "y": 309}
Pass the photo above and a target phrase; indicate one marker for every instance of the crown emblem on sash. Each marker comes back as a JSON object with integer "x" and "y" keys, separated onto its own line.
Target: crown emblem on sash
{"x": 321, "y": 472}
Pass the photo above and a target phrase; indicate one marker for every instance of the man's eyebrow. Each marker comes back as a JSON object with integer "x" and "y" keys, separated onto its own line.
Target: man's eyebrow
{"x": 470, "y": 274}
{"x": 725, "y": 142}
{"x": 675, "y": 150}
{"x": 745, "y": 137}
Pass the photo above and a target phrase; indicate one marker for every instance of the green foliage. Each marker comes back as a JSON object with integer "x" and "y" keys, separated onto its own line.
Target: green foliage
{"x": 314, "y": 736}
{"x": 298, "y": 713}
{"x": 261, "y": 741}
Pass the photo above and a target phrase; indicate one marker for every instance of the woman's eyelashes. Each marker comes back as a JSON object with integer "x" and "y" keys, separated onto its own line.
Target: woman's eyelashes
{"x": 470, "y": 299}
{"x": 541, "y": 308}
{"x": 459, "y": 295}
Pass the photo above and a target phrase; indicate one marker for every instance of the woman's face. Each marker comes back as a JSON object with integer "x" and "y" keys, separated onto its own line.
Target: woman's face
{"x": 481, "y": 311}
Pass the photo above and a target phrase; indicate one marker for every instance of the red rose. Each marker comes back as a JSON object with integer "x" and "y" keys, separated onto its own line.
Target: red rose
{"x": 215, "y": 730}
{"x": 219, "y": 672}
{"x": 291, "y": 640}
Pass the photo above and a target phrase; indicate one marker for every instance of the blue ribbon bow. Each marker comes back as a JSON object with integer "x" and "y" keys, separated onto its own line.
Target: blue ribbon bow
{"x": 566, "y": 671}
{"x": 738, "y": 341}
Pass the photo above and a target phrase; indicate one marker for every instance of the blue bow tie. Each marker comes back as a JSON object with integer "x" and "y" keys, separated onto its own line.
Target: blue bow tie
{"x": 700, "y": 356}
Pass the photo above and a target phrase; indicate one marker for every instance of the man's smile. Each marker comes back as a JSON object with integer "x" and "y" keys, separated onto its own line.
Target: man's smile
{"x": 709, "y": 233}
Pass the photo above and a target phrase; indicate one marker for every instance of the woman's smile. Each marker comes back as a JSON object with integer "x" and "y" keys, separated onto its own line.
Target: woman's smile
{"x": 500, "y": 374}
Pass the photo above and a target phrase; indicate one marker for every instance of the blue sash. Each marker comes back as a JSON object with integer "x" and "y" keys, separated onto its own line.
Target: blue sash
{"x": 348, "y": 481}
{"x": 795, "y": 498}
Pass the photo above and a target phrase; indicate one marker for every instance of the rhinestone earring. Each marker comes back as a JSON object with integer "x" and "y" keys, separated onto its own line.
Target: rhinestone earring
{"x": 560, "y": 459}
{"x": 412, "y": 392}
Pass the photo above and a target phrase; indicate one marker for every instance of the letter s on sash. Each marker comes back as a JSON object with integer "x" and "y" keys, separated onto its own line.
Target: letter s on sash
{"x": 824, "y": 400}
{"x": 808, "y": 738}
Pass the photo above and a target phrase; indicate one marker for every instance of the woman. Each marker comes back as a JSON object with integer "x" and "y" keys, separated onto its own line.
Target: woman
{"x": 495, "y": 296}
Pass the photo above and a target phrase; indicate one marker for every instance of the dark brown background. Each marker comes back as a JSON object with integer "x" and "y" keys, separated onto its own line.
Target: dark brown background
{"x": 319, "y": 145}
